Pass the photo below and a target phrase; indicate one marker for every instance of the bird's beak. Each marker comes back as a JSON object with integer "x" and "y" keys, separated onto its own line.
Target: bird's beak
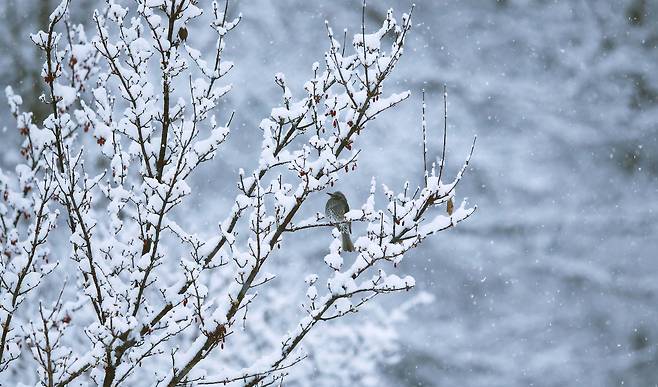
{"x": 330, "y": 193}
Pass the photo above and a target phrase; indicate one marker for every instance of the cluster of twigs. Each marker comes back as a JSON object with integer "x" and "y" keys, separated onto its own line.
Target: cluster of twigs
{"x": 147, "y": 305}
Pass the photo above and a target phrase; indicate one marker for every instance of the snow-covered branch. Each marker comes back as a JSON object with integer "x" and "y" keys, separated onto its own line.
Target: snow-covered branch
{"x": 131, "y": 120}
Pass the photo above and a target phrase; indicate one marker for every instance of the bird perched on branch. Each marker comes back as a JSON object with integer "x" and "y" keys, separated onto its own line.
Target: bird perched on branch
{"x": 335, "y": 211}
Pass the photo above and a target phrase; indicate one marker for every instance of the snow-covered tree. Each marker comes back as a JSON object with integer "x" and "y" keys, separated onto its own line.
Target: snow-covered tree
{"x": 142, "y": 301}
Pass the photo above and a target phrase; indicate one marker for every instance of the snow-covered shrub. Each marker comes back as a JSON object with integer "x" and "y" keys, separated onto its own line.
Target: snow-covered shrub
{"x": 147, "y": 302}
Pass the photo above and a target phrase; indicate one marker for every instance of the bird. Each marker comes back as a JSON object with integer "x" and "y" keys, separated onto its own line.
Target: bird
{"x": 335, "y": 211}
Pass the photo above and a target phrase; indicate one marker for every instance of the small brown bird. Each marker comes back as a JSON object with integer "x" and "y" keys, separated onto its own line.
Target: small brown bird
{"x": 335, "y": 211}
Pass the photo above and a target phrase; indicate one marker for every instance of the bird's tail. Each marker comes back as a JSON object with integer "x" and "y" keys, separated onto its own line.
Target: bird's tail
{"x": 347, "y": 242}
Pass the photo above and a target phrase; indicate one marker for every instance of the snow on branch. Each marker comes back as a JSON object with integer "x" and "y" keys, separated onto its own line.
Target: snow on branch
{"x": 131, "y": 119}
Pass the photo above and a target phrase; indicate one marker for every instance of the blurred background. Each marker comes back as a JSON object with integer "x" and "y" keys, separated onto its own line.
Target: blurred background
{"x": 554, "y": 281}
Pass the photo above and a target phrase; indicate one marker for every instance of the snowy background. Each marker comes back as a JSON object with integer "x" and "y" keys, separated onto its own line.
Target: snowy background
{"x": 554, "y": 281}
